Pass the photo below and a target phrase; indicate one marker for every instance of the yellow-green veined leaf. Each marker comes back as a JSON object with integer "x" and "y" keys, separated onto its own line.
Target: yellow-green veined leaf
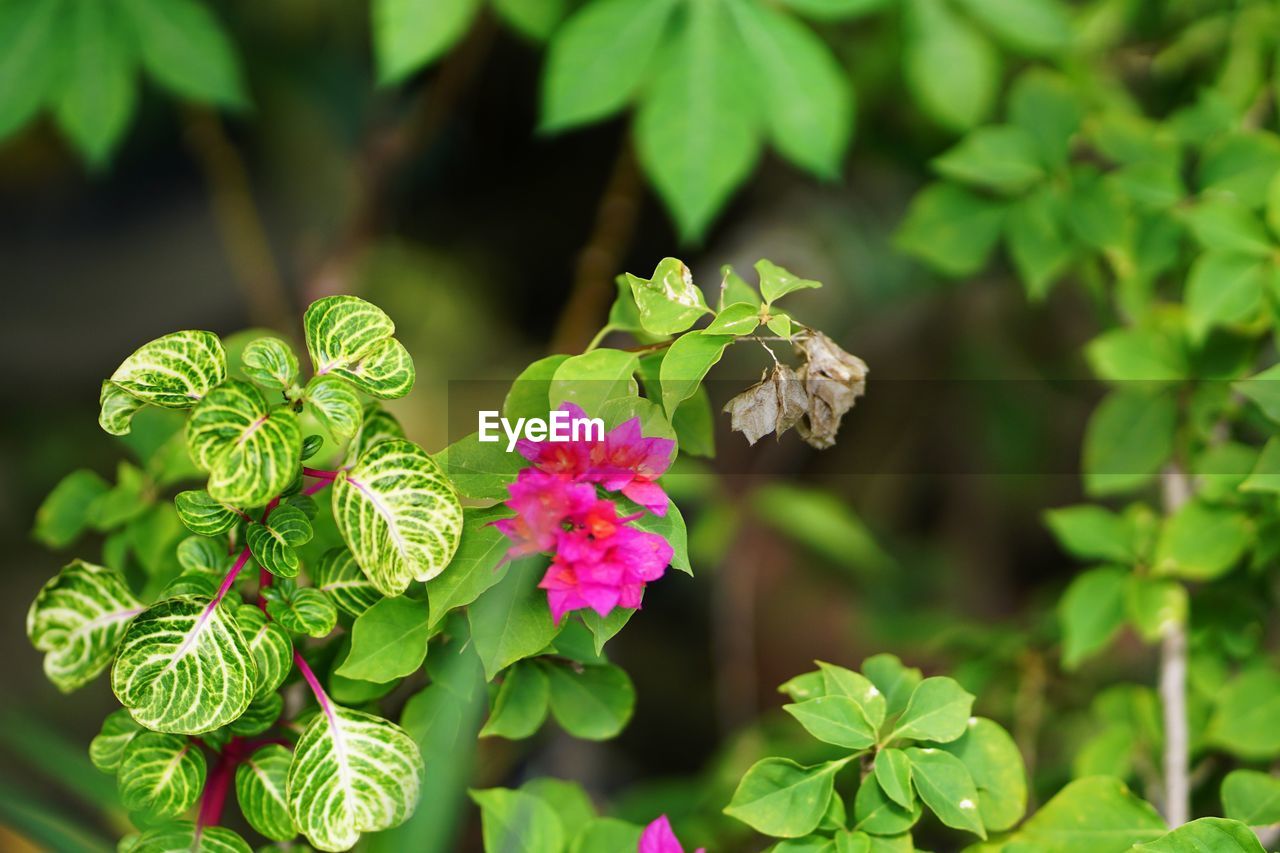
{"x": 258, "y": 717}
{"x": 338, "y": 576}
{"x": 399, "y": 515}
{"x": 78, "y": 619}
{"x": 270, "y": 646}
{"x": 270, "y": 362}
{"x": 351, "y": 338}
{"x": 252, "y": 452}
{"x": 273, "y": 541}
{"x": 205, "y": 556}
{"x": 335, "y": 403}
{"x": 175, "y": 371}
{"x": 184, "y": 667}
{"x": 161, "y": 774}
{"x": 117, "y": 408}
{"x": 352, "y": 772}
{"x": 376, "y": 425}
{"x": 303, "y": 611}
{"x": 107, "y": 747}
{"x": 203, "y": 515}
{"x": 183, "y": 837}
{"x": 260, "y": 791}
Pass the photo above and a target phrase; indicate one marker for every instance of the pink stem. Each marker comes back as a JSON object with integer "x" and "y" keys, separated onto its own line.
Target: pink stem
{"x": 230, "y": 579}
{"x": 316, "y": 486}
{"x": 319, "y": 473}
{"x": 313, "y": 683}
{"x": 215, "y": 789}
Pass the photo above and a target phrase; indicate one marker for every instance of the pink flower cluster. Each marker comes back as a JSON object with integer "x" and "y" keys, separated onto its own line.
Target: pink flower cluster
{"x": 658, "y": 837}
{"x": 599, "y": 560}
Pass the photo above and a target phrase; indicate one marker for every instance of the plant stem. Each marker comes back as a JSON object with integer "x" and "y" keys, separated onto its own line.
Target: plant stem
{"x": 314, "y": 683}
{"x": 215, "y": 789}
{"x": 1173, "y": 681}
{"x": 319, "y": 474}
{"x": 230, "y": 579}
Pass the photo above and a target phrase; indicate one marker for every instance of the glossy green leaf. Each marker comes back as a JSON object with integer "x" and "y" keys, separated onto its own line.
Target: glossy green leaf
{"x": 893, "y": 773}
{"x": 339, "y": 577}
{"x": 511, "y": 621}
{"x": 938, "y": 710}
{"x": 353, "y": 340}
{"x": 740, "y": 318}
{"x": 590, "y": 380}
{"x": 388, "y": 641}
{"x": 65, "y": 513}
{"x": 1243, "y": 721}
{"x": 1207, "y": 835}
{"x": 78, "y": 619}
{"x": 535, "y": 19}
{"x": 1223, "y": 289}
{"x": 521, "y": 703}
{"x": 252, "y": 452}
{"x": 875, "y": 813}
{"x": 107, "y": 747}
{"x": 518, "y": 822}
{"x": 160, "y": 774}
{"x": 410, "y": 34}
{"x": 836, "y": 720}
{"x": 992, "y": 758}
{"x": 1134, "y": 354}
{"x": 591, "y": 702}
{"x": 269, "y": 644}
{"x": 781, "y": 798}
{"x": 686, "y": 364}
{"x": 947, "y": 789}
{"x": 260, "y": 791}
{"x": 335, "y": 404}
{"x": 28, "y": 68}
{"x": 1097, "y": 813}
{"x": 484, "y": 469}
{"x": 184, "y": 47}
{"x": 896, "y": 682}
{"x": 1251, "y": 797}
{"x": 474, "y": 567}
{"x": 1153, "y": 605}
{"x": 1092, "y": 533}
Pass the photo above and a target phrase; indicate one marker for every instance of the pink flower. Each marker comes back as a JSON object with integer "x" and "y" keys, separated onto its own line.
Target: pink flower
{"x": 658, "y": 837}
{"x": 542, "y": 502}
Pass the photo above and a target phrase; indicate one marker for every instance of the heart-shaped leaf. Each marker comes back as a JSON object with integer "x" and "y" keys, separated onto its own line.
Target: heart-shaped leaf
{"x": 398, "y": 513}
{"x": 274, "y": 540}
{"x": 175, "y": 371}
{"x": 107, "y": 748}
{"x": 252, "y": 452}
{"x": 161, "y": 774}
{"x": 184, "y": 667}
{"x": 270, "y": 362}
{"x": 302, "y": 610}
{"x": 203, "y": 515}
{"x": 78, "y": 619}
{"x": 260, "y": 790}
{"x": 352, "y": 772}
{"x": 351, "y": 338}
{"x": 270, "y": 646}
{"x": 338, "y": 576}
{"x": 335, "y": 403}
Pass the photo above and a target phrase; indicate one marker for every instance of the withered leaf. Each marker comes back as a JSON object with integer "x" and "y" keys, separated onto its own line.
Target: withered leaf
{"x": 833, "y": 380}
{"x": 775, "y": 404}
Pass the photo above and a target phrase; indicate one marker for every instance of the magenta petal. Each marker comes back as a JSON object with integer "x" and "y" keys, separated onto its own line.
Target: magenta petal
{"x": 648, "y": 495}
{"x": 658, "y": 837}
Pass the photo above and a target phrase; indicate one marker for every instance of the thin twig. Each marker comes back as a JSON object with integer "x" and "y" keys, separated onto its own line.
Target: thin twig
{"x": 1173, "y": 680}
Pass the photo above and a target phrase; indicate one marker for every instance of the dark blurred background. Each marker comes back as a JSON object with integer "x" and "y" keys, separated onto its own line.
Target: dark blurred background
{"x": 918, "y": 534}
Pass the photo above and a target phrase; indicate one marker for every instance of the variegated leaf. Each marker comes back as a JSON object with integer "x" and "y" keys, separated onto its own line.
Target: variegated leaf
{"x": 107, "y": 747}
{"x": 351, "y": 338}
{"x": 185, "y": 837}
{"x": 175, "y": 371}
{"x": 270, "y": 646}
{"x": 184, "y": 667}
{"x": 78, "y": 619}
{"x": 117, "y": 408}
{"x": 260, "y": 790}
{"x": 190, "y": 583}
{"x": 203, "y": 515}
{"x": 161, "y": 774}
{"x": 258, "y": 717}
{"x": 352, "y": 772}
{"x": 251, "y": 451}
{"x": 377, "y": 424}
{"x": 338, "y": 577}
{"x": 398, "y": 513}
{"x": 336, "y": 404}
{"x": 202, "y": 555}
{"x": 273, "y": 541}
{"x": 311, "y": 446}
{"x": 301, "y": 610}
{"x": 270, "y": 362}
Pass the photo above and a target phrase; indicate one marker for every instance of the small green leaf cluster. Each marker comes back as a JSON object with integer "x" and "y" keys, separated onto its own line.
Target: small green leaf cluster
{"x": 80, "y": 61}
{"x": 915, "y": 746}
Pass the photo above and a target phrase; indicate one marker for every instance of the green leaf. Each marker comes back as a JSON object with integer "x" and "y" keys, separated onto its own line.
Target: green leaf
{"x": 474, "y": 568}
{"x": 1092, "y": 610}
{"x": 203, "y": 515}
{"x": 1242, "y": 164}
{"x": 1264, "y": 390}
{"x": 598, "y": 59}
{"x": 160, "y": 774}
{"x": 993, "y": 760}
{"x": 590, "y": 380}
{"x": 518, "y": 822}
{"x": 571, "y": 803}
{"x": 252, "y": 452}
{"x": 1037, "y": 27}
{"x": 838, "y": 681}
{"x": 96, "y": 97}
{"x": 1153, "y": 605}
{"x": 184, "y": 836}
{"x": 352, "y": 772}
{"x": 398, "y": 513}
{"x": 273, "y": 542}
{"x": 607, "y": 835}
{"x": 388, "y": 641}
{"x": 64, "y": 514}
{"x": 335, "y": 404}
{"x": 534, "y": 19}
{"x": 946, "y": 788}
{"x": 511, "y": 621}
{"x": 1097, "y": 813}
{"x": 807, "y": 97}
{"x": 670, "y": 527}
{"x": 117, "y": 409}
{"x": 260, "y": 791}
{"x": 893, "y": 773}
{"x": 686, "y": 364}
{"x": 1248, "y": 796}
{"x": 410, "y": 34}
{"x": 78, "y": 619}
{"x": 261, "y": 715}
{"x": 950, "y": 67}
{"x": 530, "y": 393}
{"x": 107, "y": 747}
{"x": 740, "y": 318}
{"x": 376, "y": 425}
{"x": 1129, "y": 437}
{"x": 698, "y": 128}
{"x": 1000, "y": 157}
{"x": 1209, "y": 834}
{"x": 339, "y": 577}
{"x": 836, "y": 720}
{"x": 605, "y": 628}
{"x": 270, "y": 646}
{"x": 781, "y": 798}
{"x": 303, "y": 610}
{"x": 1243, "y": 720}
{"x": 669, "y": 302}
{"x": 1093, "y": 533}
{"x": 175, "y": 371}
{"x": 896, "y": 682}
{"x": 127, "y": 500}
{"x": 875, "y": 813}
{"x": 186, "y": 50}
{"x": 1202, "y": 542}
{"x": 1265, "y": 476}
{"x": 1222, "y": 224}
{"x": 834, "y": 10}
{"x": 1138, "y": 354}
{"x": 270, "y": 362}
{"x": 938, "y": 710}
{"x": 481, "y": 469}
{"x": 521, "y": 704}
{"x": 951, "y": 229}
{"x": 1223, "y": 289}
{"x": 30, "y": 63}
{"x": 1044, "y": 104}
{"x": 352, "y": 339}
{"x": 204, "y": 556}
{"x": 776, "y": 282}
{"x": 593, "y": 702}
{"x": 183, "y": 667}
